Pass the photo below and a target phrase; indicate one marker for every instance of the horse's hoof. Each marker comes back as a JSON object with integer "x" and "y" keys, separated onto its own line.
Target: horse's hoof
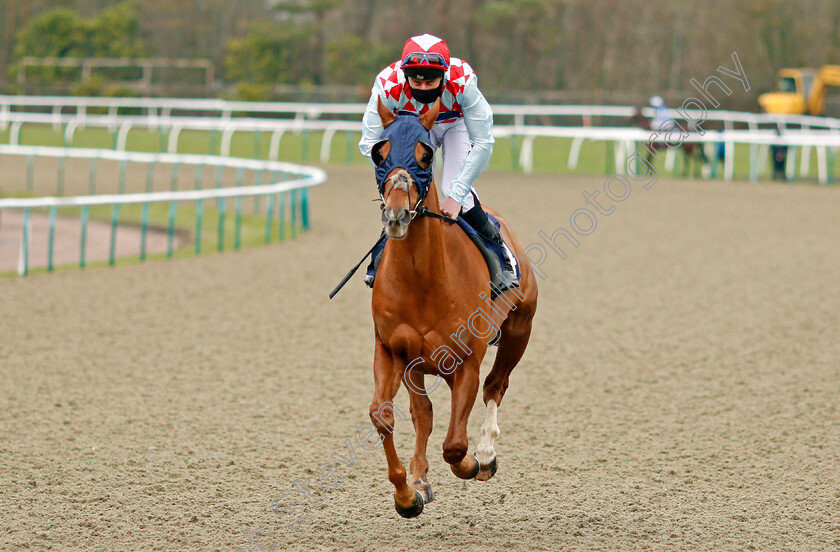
{"x": 470, "y": 475}
{"x": 426, "y": 492}
{"x": 414, "y": 510}
{"x": 488, "y": 471}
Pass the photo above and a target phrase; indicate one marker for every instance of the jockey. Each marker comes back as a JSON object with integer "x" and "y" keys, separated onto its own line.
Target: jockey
{"x": 661, "y": 115}
{"x": 464, "y": 129}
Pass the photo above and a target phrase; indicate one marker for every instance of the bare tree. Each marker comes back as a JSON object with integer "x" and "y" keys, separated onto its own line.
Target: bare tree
{"x": 624, "y": 49}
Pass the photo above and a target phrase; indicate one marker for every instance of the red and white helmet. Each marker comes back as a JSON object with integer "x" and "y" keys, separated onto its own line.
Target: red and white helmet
{"x": 425, "y": 52}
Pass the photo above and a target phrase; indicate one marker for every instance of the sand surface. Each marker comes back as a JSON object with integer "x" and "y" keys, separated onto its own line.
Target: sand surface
{"x": 680, "y": 391}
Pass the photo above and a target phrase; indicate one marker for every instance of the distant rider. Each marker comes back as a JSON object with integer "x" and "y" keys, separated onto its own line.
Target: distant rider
{"x": 660, "y": 116}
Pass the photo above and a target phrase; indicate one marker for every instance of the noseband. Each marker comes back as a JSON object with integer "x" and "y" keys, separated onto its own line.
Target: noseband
{"x": 400, "y": 182}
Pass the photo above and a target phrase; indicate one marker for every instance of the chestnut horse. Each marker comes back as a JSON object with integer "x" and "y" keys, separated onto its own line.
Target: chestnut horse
{"x": 434, "y": 314}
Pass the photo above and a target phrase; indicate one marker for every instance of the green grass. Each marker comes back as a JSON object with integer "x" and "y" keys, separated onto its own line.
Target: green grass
{"x": 252, "y": 226}
{"x": 214, "y": 225}
{"x": 294, "y": 147}
{"x": 551, "y": 155}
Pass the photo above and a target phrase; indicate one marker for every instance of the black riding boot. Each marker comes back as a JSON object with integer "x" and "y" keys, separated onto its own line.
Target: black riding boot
{"x": 477, "y": 218}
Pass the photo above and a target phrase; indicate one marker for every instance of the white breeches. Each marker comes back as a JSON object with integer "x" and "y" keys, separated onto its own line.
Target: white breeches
{"x": 454, "y": 142}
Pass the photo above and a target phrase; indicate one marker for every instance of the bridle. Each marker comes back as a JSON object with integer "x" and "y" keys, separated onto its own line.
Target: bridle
{"x": 401, "y": 167}
{"x": 419, "y": 210}
{"x": 387, "y": 173}
{"x": 400, "y": 182}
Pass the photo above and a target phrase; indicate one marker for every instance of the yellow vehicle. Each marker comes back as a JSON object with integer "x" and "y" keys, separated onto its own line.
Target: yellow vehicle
{"x": 801, "y": 91}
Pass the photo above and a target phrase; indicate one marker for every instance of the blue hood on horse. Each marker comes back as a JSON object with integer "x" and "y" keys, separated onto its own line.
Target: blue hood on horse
{"x": 404, "y": 133}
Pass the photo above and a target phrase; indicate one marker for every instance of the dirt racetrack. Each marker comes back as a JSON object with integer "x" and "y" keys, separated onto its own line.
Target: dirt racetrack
{"x": 680, "y": 391}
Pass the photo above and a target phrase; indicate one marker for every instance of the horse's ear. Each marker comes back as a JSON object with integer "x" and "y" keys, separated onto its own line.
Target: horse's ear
{"x": 428, "y": 118}
{"x": 385, "y": 114}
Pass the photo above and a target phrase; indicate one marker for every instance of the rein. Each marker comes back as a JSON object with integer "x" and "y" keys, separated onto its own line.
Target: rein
{"x": 424, "y": 212}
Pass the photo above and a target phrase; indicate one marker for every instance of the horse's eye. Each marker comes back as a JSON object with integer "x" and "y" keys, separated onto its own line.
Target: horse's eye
{"x": 427, "y": 156}
{"x": 379, "y": 152}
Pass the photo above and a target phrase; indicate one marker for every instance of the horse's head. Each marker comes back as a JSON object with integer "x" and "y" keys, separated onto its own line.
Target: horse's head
{"x": 403, "y": 159}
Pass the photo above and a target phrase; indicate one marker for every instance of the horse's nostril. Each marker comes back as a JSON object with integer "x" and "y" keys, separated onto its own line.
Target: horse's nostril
{"x": 405, "y": 218}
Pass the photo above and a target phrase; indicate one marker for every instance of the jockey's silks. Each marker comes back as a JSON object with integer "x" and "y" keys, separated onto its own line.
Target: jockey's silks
{"x": 460, "y": 102}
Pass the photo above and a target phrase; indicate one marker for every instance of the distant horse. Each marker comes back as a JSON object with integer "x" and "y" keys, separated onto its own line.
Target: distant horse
{"x": 434, "y": 314}
{"x": 693, "y": 152}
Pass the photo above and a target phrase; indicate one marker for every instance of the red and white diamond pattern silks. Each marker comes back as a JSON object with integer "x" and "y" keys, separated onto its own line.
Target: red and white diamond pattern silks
{"x": 463, "y": 108}
{"x": 397, "y": 94}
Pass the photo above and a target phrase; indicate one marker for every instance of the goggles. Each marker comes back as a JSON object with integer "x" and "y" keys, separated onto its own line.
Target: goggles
{"x": 424, "y": 58}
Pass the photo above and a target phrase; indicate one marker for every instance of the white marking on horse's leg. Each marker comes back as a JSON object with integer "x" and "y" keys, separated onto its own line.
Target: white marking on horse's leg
{"x": 489, "y": 433}
{"x": 425, "y": 489}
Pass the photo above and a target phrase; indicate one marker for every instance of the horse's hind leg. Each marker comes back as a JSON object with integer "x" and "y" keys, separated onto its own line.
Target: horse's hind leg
{"x": 421, "y": 416}
{"x": 485, "y": 453}
{"x": 516, "y": 331}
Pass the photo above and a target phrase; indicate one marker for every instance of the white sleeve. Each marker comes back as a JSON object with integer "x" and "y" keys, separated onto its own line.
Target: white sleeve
{"x": 371, "y": 124}
{"x": 478, "y": 118}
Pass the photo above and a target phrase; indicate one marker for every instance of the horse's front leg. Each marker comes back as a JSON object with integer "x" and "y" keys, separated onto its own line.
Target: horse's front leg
{"x": 464, "y": 384}
{"x": 421, "y": 416}
{"x": 386, "y": 376}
